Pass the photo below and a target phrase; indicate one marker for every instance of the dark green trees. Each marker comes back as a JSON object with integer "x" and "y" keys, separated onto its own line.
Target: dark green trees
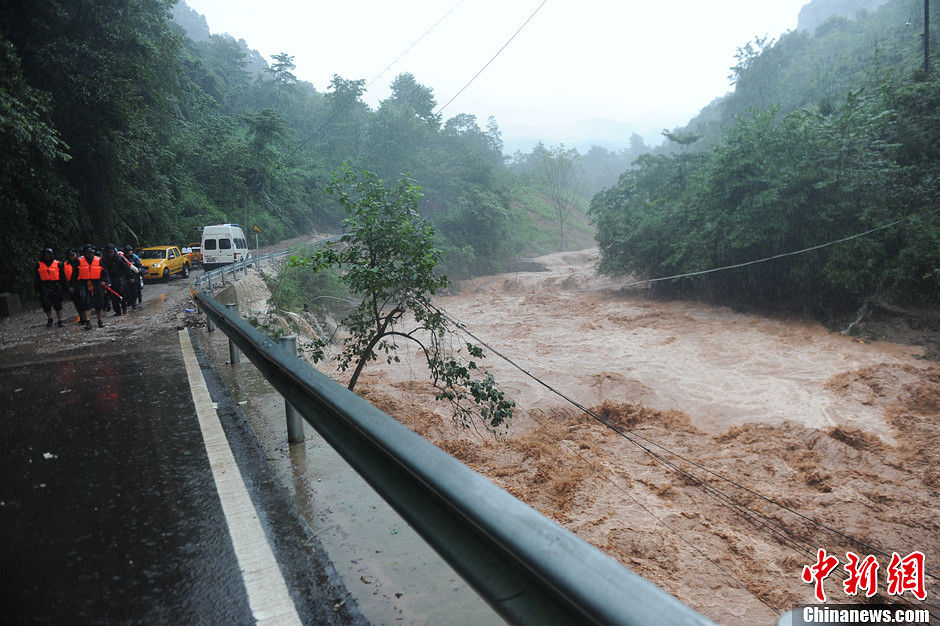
{"x": 104, "y": 76}
{"x": 846, "y": 202}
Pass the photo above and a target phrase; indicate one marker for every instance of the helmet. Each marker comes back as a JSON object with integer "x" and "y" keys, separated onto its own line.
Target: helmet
{"x": 111, "y": 247}
{"x": 71, "y": 251}
{"x": 128, "y": 248}
{"x": 47, "y": 251}
{"x": 88, "y": 247}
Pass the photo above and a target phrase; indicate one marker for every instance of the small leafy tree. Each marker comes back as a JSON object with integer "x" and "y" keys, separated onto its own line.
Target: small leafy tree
{"x": 560, "y": 175}
{"x": 387, "y": 259}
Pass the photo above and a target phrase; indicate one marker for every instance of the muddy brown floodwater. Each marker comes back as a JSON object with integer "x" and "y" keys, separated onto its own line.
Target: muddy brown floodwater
{"x": 734, "y": 446}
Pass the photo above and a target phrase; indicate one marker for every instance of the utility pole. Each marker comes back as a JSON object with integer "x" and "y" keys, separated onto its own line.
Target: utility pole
{"x": 927, "y": 37}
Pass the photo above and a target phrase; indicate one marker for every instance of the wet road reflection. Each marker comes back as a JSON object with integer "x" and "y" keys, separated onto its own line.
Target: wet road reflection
{"x": 135, "y": 538}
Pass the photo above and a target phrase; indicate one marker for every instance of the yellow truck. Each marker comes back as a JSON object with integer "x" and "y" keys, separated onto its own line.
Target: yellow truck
{"x": 164, "y": 261}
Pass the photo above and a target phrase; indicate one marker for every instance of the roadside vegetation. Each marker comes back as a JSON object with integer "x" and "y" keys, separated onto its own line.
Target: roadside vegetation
{"x": 129, "y": 122}
{"x": 302, "y": 288}
{"x": 829, "y": 138}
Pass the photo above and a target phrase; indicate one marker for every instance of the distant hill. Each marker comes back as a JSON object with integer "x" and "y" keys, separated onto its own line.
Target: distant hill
{"x": 840, "y": 46}
{"x": 616, "y": 136}
{"x": 604, "y": 133}
{"x": 818, "y": 11}
{"x": 196, "y": 28}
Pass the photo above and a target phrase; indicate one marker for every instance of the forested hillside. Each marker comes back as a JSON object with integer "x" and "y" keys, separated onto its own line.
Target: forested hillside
{"x": 827, "y": 137}
{"x": 122, "y": 124}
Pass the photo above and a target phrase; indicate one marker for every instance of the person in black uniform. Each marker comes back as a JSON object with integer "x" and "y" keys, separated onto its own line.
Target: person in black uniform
{"x": 49, "y": 282}
{"x": 137, "y": 280}
{"x": 70, "y": 267}
{"x": 119, "y": 270}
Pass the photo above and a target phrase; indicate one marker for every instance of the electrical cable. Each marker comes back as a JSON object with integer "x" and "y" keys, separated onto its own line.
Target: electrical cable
{"x": 694, "y": 547}
{"x": 710, "y": 271}
{"x": 729, "y": 501}
{"x": 738, "y": 265}
{"x": 787, "y": 538}
{"x": 491, "y": 60}
{"x": 714, "y": 269}
{"x": 426, "y": 33}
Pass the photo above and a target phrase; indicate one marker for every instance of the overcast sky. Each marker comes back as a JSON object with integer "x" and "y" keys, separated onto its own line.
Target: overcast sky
{"x": 646, "y": 64}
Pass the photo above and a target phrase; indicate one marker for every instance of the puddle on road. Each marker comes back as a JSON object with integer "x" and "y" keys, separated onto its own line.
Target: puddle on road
{"x": 394, "y": 576}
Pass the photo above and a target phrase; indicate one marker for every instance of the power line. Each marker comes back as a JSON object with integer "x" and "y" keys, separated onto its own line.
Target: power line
{"x": 787, "y": 538}
{"x": 493, "y": 59}
{"x": 745, "y": 264}
{"x": 425, "y": 34}
{"x": 647, "y": 510}
{"x": 714, "y": 269}
{"x": 729, "y": 501}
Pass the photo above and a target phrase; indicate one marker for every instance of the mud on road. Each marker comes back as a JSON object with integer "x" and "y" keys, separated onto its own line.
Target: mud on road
{"x": 734, "y": 446}
{"x": 166, "y": 305}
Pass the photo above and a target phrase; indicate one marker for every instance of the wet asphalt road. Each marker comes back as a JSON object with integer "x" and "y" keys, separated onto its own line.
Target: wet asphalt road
{"x": 108, "y": 509}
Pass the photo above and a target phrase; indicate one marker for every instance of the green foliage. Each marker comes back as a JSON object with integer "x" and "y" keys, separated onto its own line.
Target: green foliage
{"x": 480, "y": 224}
{"x": 142, "y": 135}
{"x": 37, "y": 201}
{"x": 146, "y": 129}
{"x": 780, "y": 181}
{"x": 302, "y": 287}
{"x": 387, "y": 259}
{"x": 560, "y": 175}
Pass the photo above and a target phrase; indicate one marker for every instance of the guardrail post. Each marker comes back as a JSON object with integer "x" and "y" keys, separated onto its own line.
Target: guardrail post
{"x": 210, "y": 325}
{"x": 295, "y": 423}
{"x": 209, "y": 278}
{"x": 234, "y": 356}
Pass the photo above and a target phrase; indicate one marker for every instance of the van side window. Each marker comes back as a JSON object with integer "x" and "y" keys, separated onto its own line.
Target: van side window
{"x": 210, "y": 244}
{"x": 225, "y": 244}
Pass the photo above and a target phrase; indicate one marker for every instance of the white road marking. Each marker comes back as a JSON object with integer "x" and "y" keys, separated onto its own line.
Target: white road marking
{"x": 267, "y": 592}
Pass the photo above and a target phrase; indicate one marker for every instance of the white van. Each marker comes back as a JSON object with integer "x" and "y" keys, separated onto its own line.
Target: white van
{"x": 223, "y": 244}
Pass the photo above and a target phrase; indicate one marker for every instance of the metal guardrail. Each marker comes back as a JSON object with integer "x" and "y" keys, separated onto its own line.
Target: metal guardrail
{"x": 528, "y": 568}
{"x": 243, "y": 265}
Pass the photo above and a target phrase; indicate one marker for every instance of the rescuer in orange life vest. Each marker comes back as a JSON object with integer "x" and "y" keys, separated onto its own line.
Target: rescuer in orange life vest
{"x": 50, "y": 283}
{"x": 91, "y": 282}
